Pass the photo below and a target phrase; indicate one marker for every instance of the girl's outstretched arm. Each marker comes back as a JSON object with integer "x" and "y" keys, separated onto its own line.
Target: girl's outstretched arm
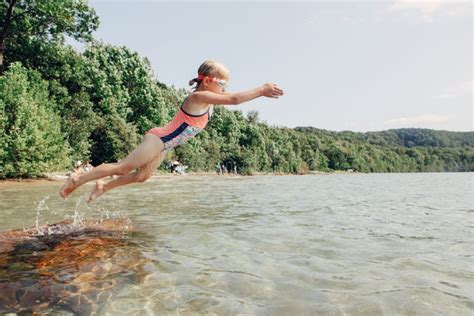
{"x": 269, "y": 90}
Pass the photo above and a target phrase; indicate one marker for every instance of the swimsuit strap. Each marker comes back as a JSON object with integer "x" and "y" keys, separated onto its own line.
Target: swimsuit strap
{"x": 194, "y": 115}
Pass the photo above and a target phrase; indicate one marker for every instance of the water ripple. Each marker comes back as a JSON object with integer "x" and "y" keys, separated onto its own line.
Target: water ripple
{"x": 378, "y": 244}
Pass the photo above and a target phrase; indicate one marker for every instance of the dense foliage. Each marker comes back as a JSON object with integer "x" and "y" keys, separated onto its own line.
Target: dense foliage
{"x": 31, "y": 140}
{"x": 398, "y": 150}
{"x": 58, "y": 105}
{"x": 24, "y": 21}
{"x": 406, "y": 137}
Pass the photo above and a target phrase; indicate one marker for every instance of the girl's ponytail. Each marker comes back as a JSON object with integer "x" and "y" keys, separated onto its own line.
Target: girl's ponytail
{"x": 191, "y": 82}
{"x": 195, "y": 81}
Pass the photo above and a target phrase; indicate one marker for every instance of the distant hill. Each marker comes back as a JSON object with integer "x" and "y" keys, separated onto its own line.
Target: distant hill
{"x": 405, "y": 137}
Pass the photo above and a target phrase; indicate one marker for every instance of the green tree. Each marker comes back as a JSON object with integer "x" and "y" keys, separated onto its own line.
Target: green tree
{"x": 47, "y": 20}
{"x": 32, "y": 142}
{"x": 112, "y": 139}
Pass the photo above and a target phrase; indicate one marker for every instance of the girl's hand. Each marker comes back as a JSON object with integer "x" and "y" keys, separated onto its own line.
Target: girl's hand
{"x": 271, "y": 90}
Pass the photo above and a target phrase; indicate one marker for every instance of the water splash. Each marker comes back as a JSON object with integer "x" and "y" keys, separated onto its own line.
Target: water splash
{"x": 78, "y": 217}
{"x": 40, "y": 206}
{"x": 107, "y": 214}
{"x": 83, "y": 216}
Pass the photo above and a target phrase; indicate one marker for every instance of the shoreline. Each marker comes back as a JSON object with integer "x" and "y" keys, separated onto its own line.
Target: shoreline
{"x": 62, "y": 176}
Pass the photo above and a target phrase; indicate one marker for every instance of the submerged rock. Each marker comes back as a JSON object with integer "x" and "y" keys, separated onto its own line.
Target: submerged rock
{"x": 67, "y": 266}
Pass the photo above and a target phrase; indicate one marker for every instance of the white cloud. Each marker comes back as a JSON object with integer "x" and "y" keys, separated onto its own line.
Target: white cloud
{"x": 417, "y": 121}
{"x": 464, "y": 88}
{"x": 425, "y": 8}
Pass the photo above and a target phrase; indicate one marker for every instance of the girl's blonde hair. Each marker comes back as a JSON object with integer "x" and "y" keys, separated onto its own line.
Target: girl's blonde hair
{"x": 210, "y": 68}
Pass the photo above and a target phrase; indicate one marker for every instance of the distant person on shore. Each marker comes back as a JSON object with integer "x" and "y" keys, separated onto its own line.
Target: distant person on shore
{"x": 191, "y": 118}
{"x": 218, "y": 168}
{"x": 80, "y": 167}
{"x": 77, "y": 167}
{"x": 87, "y": 166}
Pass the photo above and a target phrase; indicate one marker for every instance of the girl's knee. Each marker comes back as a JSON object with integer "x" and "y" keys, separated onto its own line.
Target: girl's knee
{"x": 143, "y": 176}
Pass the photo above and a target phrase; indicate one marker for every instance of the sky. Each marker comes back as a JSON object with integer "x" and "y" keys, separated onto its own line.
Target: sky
{"x": 344, "y": 65}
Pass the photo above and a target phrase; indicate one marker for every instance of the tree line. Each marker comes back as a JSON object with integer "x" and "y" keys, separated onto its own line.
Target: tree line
{"x": 58, "y": 105}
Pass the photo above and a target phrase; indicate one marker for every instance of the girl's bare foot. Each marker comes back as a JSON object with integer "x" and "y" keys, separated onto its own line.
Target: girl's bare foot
{"x": 98, "y": 190}
{"x": 69, "y": 186}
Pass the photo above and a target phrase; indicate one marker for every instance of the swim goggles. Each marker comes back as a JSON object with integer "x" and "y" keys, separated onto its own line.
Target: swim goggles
{"x": 220, "y": 82}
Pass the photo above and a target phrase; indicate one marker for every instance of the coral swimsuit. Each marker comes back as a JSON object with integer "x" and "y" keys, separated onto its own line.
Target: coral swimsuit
{"x": 182, "y": 128}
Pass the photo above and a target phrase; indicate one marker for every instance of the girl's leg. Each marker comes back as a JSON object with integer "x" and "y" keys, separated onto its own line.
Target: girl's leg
{"x": 150, "y": 147}
{"x": 141, "y": 175}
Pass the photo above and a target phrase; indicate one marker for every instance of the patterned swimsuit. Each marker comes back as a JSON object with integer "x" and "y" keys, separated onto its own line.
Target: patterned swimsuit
{"x": 182, "y": 128}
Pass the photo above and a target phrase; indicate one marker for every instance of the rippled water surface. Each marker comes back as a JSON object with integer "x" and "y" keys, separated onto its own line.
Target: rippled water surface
{"x": 358, "y": 244}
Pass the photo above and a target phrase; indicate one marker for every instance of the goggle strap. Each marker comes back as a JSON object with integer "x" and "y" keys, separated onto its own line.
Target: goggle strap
{"x": 201, "y": 77}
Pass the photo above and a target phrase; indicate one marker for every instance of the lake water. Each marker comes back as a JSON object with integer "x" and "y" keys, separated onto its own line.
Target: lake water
{"x": 355, "y": 244}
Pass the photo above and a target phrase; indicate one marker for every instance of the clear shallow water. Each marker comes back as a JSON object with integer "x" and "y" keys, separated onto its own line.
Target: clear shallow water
{"x": 358, "y": 244}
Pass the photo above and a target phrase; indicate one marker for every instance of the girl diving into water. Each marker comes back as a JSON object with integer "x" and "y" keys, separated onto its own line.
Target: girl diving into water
{"x": 192, "y": 117}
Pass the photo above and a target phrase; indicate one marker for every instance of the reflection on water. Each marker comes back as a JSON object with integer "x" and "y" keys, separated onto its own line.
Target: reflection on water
{"x": 338, "y": 244}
